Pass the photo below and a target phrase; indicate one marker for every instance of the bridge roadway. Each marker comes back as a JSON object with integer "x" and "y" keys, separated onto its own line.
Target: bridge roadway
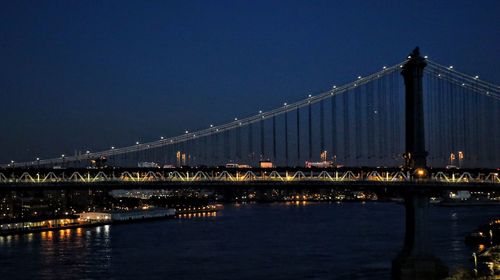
{"x": 219, "y": 178}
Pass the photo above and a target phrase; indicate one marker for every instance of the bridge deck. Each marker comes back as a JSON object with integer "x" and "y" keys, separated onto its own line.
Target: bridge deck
{"x": 352, "y": 178}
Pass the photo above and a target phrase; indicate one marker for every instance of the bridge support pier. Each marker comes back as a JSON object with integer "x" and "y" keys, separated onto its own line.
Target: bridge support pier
{"x": 416, "y": 260}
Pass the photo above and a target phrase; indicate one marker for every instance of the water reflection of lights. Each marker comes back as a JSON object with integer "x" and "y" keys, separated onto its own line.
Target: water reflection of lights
{"x": 64, "y": 233}
{"x": 197, "y": 215}
{"x": 47, "y": 235}
{"x": 297, "y": 202}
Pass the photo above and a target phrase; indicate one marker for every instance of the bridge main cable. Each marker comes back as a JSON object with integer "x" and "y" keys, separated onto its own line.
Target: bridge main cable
{"x": 214, "y": 130}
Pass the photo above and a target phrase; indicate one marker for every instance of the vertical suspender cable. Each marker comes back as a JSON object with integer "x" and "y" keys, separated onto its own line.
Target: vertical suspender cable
{"x": 322, "y": 125}
{"x": 346, "y": 129}
{"x": 250, "y": 143}
{"x": 357, "y": 124}
{"x": 298, "y": 135}
{"x": 378, "y": 120}
{"x": 442, "y": 144}
{"x": 262, "y": 143}
{"x": 274, "y": 138}
{"x": 226, "y": 145}
{"x": 334, "y": 128}
{"x": 310, "y": 130}
{"x": 371, "y": 109}
{"x": 393, "y": 119}
{"x": 286, "y": 138}
{"x": 238, "y": 142}
{"x": 465, "y": 129}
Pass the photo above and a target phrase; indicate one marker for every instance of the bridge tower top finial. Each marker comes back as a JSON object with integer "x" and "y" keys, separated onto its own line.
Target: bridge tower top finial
{"x": 415, "y": 52}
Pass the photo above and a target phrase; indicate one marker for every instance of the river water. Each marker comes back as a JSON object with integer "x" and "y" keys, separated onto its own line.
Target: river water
{"x": 252, "y": 241}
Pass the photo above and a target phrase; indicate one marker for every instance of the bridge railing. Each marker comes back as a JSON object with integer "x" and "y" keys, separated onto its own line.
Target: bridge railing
{"x": 243, "y": 176}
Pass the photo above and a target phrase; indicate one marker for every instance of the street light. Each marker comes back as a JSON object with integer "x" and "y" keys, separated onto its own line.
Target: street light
{"x": 421, "y": 172}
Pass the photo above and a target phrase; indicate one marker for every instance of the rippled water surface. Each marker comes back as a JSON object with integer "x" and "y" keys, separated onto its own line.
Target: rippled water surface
{"x": 256, "y": 241}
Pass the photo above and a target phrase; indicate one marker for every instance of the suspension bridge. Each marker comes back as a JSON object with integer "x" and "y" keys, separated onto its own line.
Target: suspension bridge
{"x": 371, "y": 122}
{"x": 436, "y": 129}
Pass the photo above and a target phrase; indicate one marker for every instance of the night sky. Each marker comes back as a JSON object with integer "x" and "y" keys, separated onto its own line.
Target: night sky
{"x": 91, "y": 75}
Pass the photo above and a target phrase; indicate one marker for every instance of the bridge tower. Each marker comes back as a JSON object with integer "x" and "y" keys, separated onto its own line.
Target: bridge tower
{"x": 416, "y": 260}
{"x": 416, "y": 156}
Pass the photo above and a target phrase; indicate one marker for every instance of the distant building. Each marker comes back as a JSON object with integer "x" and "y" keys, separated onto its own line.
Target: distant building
{"x": 266, "y": 164}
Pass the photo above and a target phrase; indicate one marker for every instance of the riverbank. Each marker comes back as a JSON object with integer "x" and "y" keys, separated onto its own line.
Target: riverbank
{"x": 86, "y": 219}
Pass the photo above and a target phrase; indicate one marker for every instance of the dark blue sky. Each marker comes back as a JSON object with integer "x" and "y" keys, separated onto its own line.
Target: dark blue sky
{"x": 91, "y": 74}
